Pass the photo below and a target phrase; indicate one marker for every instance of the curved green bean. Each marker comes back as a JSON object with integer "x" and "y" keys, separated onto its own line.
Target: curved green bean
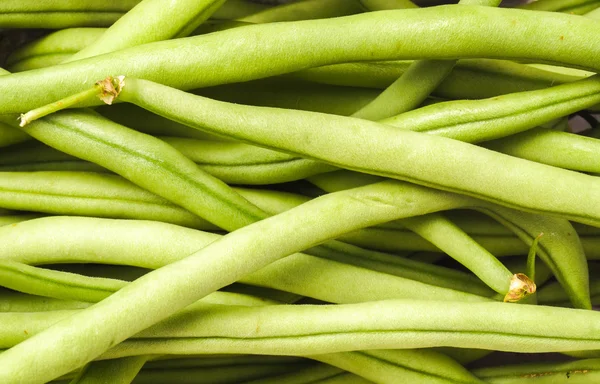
{"x": 560, "y": 249}
{"x": 151, "y": 21}
{"x": 195, "y": 68}
{"x": 84, "y": 240}
{"x": 481, "y": 120}
{"x": 11, "y": 301}
{"x": 424, "y": 159}
{"x": 547, "y": 146}
{"x": 578, "y": 372}
{"x": 299, "y": 330}
{"x": 147, "y": 300}
{"x": 305, "y": 10}
{"x": 391, "y": 366}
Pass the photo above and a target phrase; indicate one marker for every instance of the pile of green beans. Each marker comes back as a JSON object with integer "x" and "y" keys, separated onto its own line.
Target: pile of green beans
{"x": 317, "y": 191}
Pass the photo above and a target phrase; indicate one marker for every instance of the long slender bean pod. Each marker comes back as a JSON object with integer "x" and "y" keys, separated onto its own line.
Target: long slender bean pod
{"x": 415, "y": 85}
{"x": 148, "y": 162}
{"x": 580, "y": 371}
{"x": 481, "y": 120}
{"x": 18, "y": 302}
{"x": 305, "y": 10}
{"x": 424, "y": 159}
{"x": 149, "y": 21}
{"x": 118, "y": 371}
{"x": 391, "y": 366}
{"x": 560, "y": 39}
{"x": 299, "y": 330}
{"x": 560, "y": 249}
{"x": 302, "y": 274}
{"x": 147, "y": 300}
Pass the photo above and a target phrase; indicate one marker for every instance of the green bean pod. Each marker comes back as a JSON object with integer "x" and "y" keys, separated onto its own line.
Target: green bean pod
{"x": 423, "y": 159}
{"x": 390, "y": 366}
{"x": 578, "y": 372}
{"x": 561, "y": 249}
{"x": 151, "y": 21}
{"x": 83, "y": 238}
{"x": 150, "y": 163}
{"x": 481, "y": 120}
{"x": 547, "y": 146}
{"x": 556, "y": 5}
{"x": 305, "y": 10}
{"x": 114, "y": 371}
{"x": 562, "y": 40}
{"x": 60, "y": 14}
{"x": 18, "y": 302}
{"x": 301, "y": 330}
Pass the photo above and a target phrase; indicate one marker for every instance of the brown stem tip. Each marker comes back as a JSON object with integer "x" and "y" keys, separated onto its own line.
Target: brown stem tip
{"x": 520, "y": 287}
{"x": 110, "y": 88}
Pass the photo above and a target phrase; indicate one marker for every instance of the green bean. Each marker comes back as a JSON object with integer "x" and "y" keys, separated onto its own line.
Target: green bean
{"x": 9, "y": 135}
{"x": 55, "y": 47}
{"x": 234, "y": 163}
{"x": 67, "y": 14}
{"x": 297, "y": 330}
{"x": 18, "y": 302}
{"x": 380, "y": 5}
{"x": 580, "y": 371}
{"x": 196, "y": 67}
{"x": 312, "y": 374}
{"x": 555, "y": 5}
{"x": 470, "y": 79}
{"x": 595, "y": 14}
{"x": 147, "y": 300}
{"x": 61, "y": 14}
{"x": 440, "y": 231}
{"x": 99, "y": 195}
{"x": 150, "y": 21}
{"x": 415, "y": 85}
{"x": 331, "y": 281}
{"x": 150, "y": 163}
{"x": 392, "y": 366}
{"x": 464, "y": 356}
{"x": 559, "y": 149}
{"x": 399, "y": 154}
{"x": 553, "y": 249}
{"x": 89, "y": 194}
{"x": 305, "y": 10}
{"x": 583, "y": 9}
{"x": 481, "y": 120}
{"x": 112, "y": 371}
{"x": 13, "y": 219}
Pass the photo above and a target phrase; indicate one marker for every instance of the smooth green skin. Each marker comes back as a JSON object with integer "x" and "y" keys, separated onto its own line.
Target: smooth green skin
{"x": 559, "y": 149}
{"x": 160, "y": 293}
{"x": 415, "y": 85}
{"x": 18, "y": 302}
{"x": 89, "y": 194}
{"x": 231, "y": 162}
{"x": 153, "y": 245}
{"x": 572, "y": 372}
{"x": 276, "y": 48}
{"x": 582, "y": 9}
{"x": 380, "y": 5}
{"x": 148, "y": 162}
{"x": 595, "y": 14}
{"x": 75, "y": 193}
{"x": 560, "y": 248}
{"x": 554, "y": 294}
{"x": 393, "y": 366}
{"x": 447, "y": 236}
{"x": 10, "y": 135}
{"x": 13, "y": 219}
{"x": 555, "y": 5}
{"x": 63, "y": 42}
{"x": 59, "y": 14}
{"x": 149, "y": 21}
{"x": 305, "y": 10}
{"x": 480, "y": 120}
{"x": 423, "y": 159}
{"x": 312, "y": 374}
{"x": 118, "y": 371}
{"x": 301, "y": 330}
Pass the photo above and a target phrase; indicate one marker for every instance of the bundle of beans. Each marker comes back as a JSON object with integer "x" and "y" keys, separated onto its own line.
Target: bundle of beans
{"x": 212, "y": 191}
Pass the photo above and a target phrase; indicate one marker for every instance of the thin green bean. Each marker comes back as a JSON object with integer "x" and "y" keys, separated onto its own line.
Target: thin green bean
{"x": 195, "y": 68}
